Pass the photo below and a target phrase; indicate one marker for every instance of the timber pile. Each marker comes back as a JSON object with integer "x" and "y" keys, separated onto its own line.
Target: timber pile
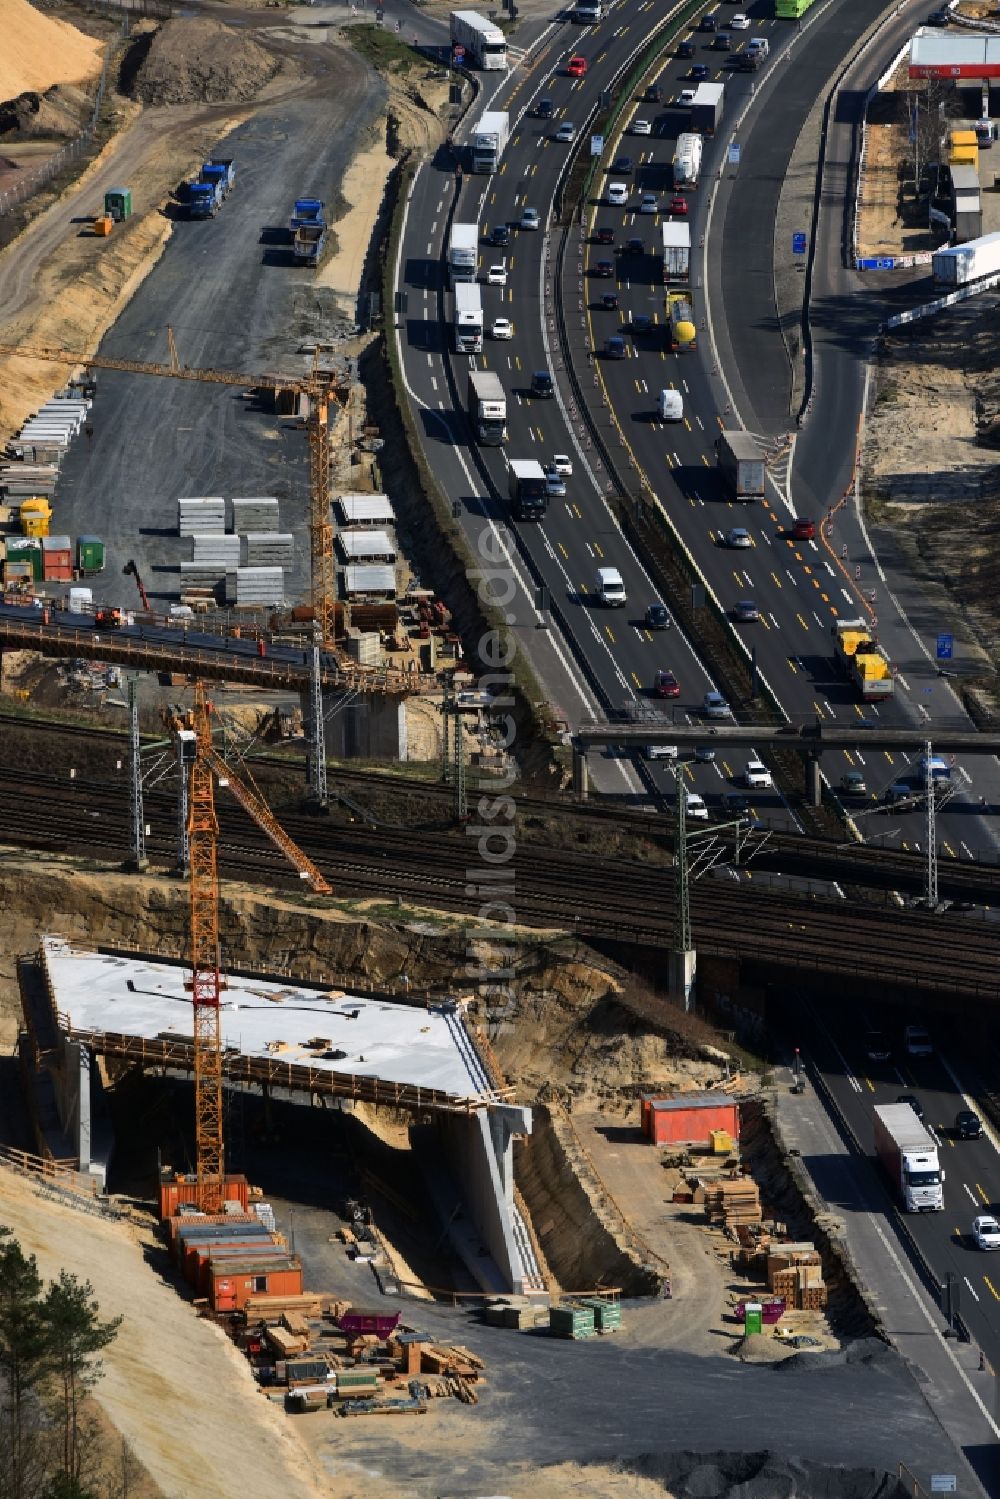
{"x": 271, "y": 1309}
{"x": 733, "y": 1203}
{"x": 795, "y": 1272}
{"x": 453, "y": 1360}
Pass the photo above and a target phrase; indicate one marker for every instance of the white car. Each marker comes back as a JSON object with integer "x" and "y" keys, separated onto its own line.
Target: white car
{"x": 686, "y": 97}
{"x": 566, "y": 133}
{"x": 650, "y": 203}
{"x": 738, "y": 537}
{"x": 502, "y": 328}
{"x": 497, "y": 274}
{"x": 563, "y": 464}
{"x": 986, "y": 1232}
{"x": 529, "y": 219}
{"x": 642, "y": 127}
{"x": 617, "y": 193}
{"x": 739, "y": 22}
{"x": 696, "y": 807}
{"x": 756, "y": 776}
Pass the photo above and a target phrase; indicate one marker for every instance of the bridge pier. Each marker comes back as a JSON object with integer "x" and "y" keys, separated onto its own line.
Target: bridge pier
{"x": 814, "y": 786}
{"x": 682, "y": 965}
{"x": 581, "y": 775}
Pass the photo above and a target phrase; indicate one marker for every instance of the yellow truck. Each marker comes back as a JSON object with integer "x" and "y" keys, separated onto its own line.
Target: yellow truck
{"x": 864, "y": 660}
{"x": 680, "y": 319}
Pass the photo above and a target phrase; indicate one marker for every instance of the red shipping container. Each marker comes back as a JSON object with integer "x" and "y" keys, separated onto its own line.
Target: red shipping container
{"x": 688, "y": 1119}
{"x": 232, "y": 1285}
{"x": 205, "y": 1260}
{"x": 177, "y": 1189}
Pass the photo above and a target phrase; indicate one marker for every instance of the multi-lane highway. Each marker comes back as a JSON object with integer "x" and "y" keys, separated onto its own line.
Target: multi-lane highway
{"x": 799, "y": 587}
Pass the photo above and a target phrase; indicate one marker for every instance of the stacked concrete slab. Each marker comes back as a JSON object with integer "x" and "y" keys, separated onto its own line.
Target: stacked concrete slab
{"x": 269, "y": 548}
{"x": 255, "y": 513}
{"x": 366, "y": 546}
{"x": 197, "y": 575}
{"x": 212, "y": 549}
{"x": 201, "y": 515}
{"x": 248, "y": 586}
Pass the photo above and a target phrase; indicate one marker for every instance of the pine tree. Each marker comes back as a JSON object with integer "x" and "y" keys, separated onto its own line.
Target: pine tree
{"x": 74, "y": 1335}
{"x": 24, "y": 1353}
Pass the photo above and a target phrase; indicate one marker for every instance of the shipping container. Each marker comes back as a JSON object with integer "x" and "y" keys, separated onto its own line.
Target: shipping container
{"x": 178, "y": 1190}
{"x": 89, "y": 554}
{"x": 231, "y": 1286}
{"x": 688, "y": 1119}
{"x": 57, "y": 559}
{"x": 26, "y": 549}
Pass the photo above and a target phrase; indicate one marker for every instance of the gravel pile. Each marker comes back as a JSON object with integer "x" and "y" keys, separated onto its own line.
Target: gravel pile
{"x": 201, "y": 61}
{"x": 760, "y": 1475}
{"x": 761, "y": 1348}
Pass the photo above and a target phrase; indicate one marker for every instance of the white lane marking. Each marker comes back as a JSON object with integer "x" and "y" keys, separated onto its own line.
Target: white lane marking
{"x": 968, "y": 1282}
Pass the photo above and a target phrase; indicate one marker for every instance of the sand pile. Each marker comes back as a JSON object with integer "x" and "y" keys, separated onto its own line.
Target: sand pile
{"x": 38, "y": 51}
{"x": 195, "y": 61}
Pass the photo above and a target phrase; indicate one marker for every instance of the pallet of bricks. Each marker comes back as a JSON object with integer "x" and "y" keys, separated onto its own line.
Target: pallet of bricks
{"x": 734, "y": 1203}
{"x": 795, "y": 1272}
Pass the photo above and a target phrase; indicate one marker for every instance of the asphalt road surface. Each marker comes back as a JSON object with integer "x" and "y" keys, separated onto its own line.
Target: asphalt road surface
{"x": 236, "y": 301}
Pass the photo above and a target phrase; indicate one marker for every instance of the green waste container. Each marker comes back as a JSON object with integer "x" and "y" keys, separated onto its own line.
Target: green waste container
{"x": 118, "y": 203}
{"x": 89, "y": 554}
{"x": 26, "y": 549}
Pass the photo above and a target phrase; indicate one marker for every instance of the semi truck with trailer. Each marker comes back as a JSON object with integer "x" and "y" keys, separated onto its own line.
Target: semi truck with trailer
{"x": 863, "y": 659}
{"x": 741, "y": 464}
{"x": 687, "y": 160}
{"x": 680, "y": 320}
{"x": 706, "y": 108}
{"x": 485, "y": 44}
{"x": 489, "y": 140}
{"x": 468, "y": 324}
{"x": 487, "y": 407}
{"x": 676, "y": 250}
{"x": 529, "y": 493}
{"x": 909, "y": 1157}
{"x": 961, "y": 264}
{"x": 463, "y": 252}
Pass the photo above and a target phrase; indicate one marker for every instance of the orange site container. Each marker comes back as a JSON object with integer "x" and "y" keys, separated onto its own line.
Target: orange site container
{"x": 102, "y": 225}
{"x": 688, "y": 1119}
{"x": 175, "y": 1190}
{"x": 232, "y": 1283}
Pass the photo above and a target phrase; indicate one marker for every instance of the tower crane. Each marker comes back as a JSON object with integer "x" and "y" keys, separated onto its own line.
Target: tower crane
{"x": 201, "y": 761}
{"x": 320, "y": 386}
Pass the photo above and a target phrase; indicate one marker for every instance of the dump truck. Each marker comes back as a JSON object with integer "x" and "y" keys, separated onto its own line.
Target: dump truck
{"x": 706, "y": 108}
{"x": 204, "y": 199}
{"x": 680, "y": 318}
{"x": 864, "y": 660}
{"x": 308, "y": 243}
{"x": 741, "y": 464}
{"x": 489, "y": 140}
{"x": 687, "y": 160}
{"x": 306, "y": 211}
{"x": 463, "y": 252}
{"x": 487, "y": 407}
{"x": 220, "y": 169}
{"x": 529, "y": 491}
{"x": 676, "y": 250}
{"x": 909, "y": 1157}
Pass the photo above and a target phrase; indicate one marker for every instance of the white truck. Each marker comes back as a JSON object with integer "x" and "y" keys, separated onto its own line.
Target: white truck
{"x": 687, "y": 160}
{"x": 741, "y": 464}
{"x": 463, "y": 252}
{"x": 489, "y": 140}
{"x": 487, "y": 407}
{"x": 706, "y": 107}
{"x": 961, "y": 264}
{"x": 468, "y": 324}
{"x": 909, "y": 1156}
{"x": 484, "y": 43}
{"x": 676, "y": 250}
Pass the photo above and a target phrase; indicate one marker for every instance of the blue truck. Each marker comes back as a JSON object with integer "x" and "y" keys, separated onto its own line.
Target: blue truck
{"x": 211, "y": 188}
{"x": 306, "y": 213}
{"x": 308, "y": 244}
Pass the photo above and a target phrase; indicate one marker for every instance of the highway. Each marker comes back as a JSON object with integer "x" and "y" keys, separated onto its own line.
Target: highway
{"x": 943, "y": 1085}
{"x": 798, "y": 588}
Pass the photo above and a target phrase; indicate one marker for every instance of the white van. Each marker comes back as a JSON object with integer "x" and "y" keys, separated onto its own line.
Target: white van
{"x": 589, "y": 13}
{"x": 610, "y": 588}
{"x": 617, "y": 194}
{"x": 671, "y": 406}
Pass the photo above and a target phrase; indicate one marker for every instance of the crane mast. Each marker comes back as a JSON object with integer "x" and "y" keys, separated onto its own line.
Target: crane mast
{"x": 206, "y": 981}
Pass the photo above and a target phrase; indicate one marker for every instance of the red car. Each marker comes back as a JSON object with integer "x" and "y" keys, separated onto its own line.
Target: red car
{"x": 576, "y": 67}
{"x": 679, "y": 205}
{"x": 804, "y": 530}
{"x": 665, "y": 684}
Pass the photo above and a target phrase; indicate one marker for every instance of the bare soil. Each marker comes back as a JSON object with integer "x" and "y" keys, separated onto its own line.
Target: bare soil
{"x": 890, "y": 220}
{"x": 195, "y": 60}
{"x": 40, "y": 50}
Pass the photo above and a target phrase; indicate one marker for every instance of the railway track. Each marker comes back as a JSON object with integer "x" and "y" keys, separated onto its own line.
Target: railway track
{"x": 622, "y": 902}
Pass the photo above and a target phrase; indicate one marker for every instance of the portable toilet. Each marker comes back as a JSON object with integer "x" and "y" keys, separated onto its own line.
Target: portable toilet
{"x": 35, "y": 514}
{"x": 118, "y": 203}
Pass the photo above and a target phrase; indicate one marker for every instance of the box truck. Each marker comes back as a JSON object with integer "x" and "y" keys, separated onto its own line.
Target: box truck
{"x": 487, "y": 407}
{"x": 961, "y": 264}
{"x": 529, "y": 492}
{"x": 468, "y": 325}
{"x": 676, "y": 250}
{"x": 463, "y": 252}
{"x": 909, "y": 1157}
{"x": 741, "y": 464}
{"x": 706, "y": 108}
{"x": 489, "y": 140}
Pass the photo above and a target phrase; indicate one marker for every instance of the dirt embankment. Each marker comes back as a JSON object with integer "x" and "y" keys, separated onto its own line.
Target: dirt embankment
{"x": 194, "y": 60}
{"x": 930, "y": 457}
{"x": 37, "y": 51}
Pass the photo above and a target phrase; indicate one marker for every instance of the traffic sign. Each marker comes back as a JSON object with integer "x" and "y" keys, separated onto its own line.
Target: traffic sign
{"x": 944, "y": 1483}
{"x": 596, "y": 145}
{"x": 798, "y": 243}
{"x": 945, "y": 647}
{"x": 733, "y": 154}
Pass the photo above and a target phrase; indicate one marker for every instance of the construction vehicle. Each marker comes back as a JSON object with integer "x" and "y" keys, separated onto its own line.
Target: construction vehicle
{"x": 107, "y": 618}
{"x": 319, "y": 387}
{"x": 864, "y": 660}
{"x": 130, "y": 570}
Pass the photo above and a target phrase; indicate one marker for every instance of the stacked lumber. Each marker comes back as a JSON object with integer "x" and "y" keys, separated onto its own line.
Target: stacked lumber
{"x": 733, "y": 1203}
{"x": 271, "y": 1309}
{"x": 295, "y": 1322}
{"x": 284, "y": 1343}
{"x": 795, "y": 1271}
{"x": 453, "y": 1359}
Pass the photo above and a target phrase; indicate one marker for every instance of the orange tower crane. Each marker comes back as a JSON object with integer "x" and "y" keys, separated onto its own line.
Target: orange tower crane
{"x": 321, "y": 388}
